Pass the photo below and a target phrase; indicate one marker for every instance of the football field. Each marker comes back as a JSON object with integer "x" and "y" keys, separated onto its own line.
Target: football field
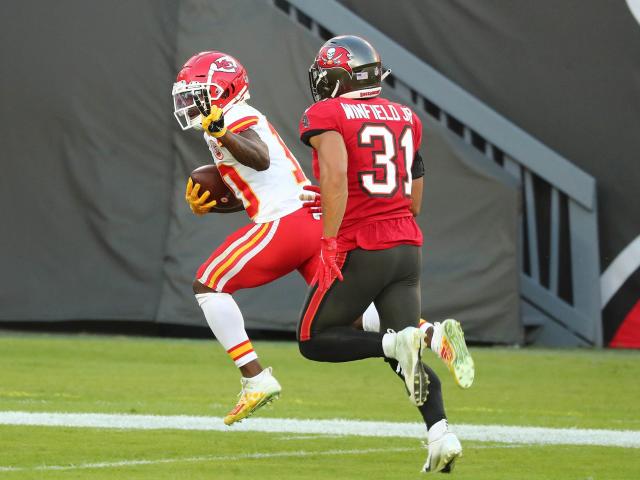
{"x": 121, "y": 407}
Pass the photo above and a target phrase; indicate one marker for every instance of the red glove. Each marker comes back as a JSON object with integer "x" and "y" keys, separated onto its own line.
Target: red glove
{"x": 328, "y": 269}
{"x": 312, "y": 200}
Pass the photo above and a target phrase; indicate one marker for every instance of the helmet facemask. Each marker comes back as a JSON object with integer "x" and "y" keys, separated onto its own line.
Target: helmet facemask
{"x": 319, "y": 83}
{"x": 187, "y": 96}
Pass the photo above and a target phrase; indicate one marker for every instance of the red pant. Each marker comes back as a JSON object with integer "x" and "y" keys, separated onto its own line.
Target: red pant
{"x": 262, "y": 252}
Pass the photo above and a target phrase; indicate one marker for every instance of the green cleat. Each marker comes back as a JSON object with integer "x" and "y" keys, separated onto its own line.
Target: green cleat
{"x": 452, "y": 349}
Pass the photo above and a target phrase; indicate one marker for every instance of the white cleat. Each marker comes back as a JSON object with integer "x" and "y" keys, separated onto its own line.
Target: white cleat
{"x": 256, "y": 393}
{"x": 452, "y": 349}
{"x": 443, "y": 453}
{"x": 409, "y": 347}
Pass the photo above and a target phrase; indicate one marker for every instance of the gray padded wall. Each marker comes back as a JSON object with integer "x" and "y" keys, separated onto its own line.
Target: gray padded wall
{"x": 459, "y": 197}
{"x": 276, "y": 64}
{"x": 104, "y": 251}
{"x": 567, "y": 72}
{"x": 86, "y": 155}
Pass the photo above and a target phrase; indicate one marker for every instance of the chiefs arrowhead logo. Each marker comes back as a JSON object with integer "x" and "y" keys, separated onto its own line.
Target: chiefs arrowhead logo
{"x": 215, "y": 149}
{"x": 335, "y": 57}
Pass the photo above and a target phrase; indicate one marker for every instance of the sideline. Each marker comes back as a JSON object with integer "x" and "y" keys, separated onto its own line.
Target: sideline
{"x": 478, "y": 433}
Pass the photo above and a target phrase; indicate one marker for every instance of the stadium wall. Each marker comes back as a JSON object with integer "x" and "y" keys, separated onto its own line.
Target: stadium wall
{"x": 95, "y": 167}
{"x": 567, "y": 73}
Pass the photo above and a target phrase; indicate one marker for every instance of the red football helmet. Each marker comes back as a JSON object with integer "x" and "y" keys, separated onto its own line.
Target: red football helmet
{"x": 211, "y": 78}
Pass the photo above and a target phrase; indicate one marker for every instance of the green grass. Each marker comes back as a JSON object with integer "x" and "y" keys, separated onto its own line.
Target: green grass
{"x": 587, "y": 389}
{"x": 194, "y": 454}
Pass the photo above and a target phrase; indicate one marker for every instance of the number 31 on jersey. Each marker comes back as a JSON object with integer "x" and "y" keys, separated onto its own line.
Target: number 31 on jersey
{"x": 386, "y": 160}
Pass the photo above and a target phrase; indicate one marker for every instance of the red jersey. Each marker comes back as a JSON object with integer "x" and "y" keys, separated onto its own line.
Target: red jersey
{"x": 381, "y": 138}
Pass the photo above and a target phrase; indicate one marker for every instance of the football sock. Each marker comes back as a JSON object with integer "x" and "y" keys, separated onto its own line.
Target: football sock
{"x": 261, "y": 376}
{"x": 437, "y": 430}
{"x": 436, "y": 338}
{"x": 432, "y": 410}
{"x": 424, "y": 325}
{"x": 389, "y": 344}
{"x": 227, "y": 324}
{"x": 371, "y": 319}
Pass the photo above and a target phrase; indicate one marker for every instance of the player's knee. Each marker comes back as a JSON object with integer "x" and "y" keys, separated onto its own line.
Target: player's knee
{"x": 308, "y": 350}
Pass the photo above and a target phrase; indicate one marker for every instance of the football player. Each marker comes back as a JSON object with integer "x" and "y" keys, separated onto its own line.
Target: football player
{"x": 210, "y": 94}
{"x": 365, "y": 154}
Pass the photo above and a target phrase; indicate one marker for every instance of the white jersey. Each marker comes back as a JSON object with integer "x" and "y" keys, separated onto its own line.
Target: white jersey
{"x": 271, "y": 193}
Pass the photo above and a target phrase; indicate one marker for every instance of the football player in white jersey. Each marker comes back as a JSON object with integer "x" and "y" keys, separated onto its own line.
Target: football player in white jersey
{"x": 210, "y": 93}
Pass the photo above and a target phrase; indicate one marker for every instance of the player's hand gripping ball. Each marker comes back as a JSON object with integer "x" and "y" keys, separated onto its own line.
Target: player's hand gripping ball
{"x": 198, "y": 203}
{"x": 207, "y": 192}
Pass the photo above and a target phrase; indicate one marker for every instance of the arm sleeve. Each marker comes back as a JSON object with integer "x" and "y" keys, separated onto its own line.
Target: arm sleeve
{"x": 318, "y": 118}
{"x": 417, "y": 168}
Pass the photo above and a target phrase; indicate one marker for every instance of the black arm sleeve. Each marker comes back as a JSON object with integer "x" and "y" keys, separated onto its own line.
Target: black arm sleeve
{"x": 417, "y": 168}
{"x": 306, "y": 136}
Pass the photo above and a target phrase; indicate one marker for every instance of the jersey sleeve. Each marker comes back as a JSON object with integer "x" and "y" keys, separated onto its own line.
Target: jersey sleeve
{"x": 240, "y": 118}
{"x": 318, "y": 118}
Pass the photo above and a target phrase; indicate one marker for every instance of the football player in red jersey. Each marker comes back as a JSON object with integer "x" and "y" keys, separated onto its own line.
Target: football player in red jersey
{"x": 365, "y": 154}
{"x": 210, "y": 94}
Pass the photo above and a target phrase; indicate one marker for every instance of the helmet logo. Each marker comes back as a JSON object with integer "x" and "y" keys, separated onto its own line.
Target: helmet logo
{"x": 335, "y": 57}
{"x": 224, "y": 64}
{"x": 332, "y": 53}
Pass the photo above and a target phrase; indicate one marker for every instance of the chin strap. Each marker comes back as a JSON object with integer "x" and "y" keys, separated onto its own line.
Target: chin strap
{"x": 385, "y": 74}
{"x": 335, "y": 90}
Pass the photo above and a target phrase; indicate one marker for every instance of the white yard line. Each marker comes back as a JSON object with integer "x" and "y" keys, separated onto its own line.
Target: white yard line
{"x": 205, "y": 458}
{"x": 480, "y": 433}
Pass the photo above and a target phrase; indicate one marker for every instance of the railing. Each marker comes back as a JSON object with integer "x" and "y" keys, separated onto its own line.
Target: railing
{"x": 559, "y": 238}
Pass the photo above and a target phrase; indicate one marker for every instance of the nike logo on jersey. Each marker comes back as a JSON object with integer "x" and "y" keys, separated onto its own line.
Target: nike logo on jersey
{"x": 369, "y": 111}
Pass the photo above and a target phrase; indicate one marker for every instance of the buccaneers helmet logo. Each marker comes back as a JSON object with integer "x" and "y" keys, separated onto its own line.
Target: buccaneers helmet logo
{"x": 335, "y": 57}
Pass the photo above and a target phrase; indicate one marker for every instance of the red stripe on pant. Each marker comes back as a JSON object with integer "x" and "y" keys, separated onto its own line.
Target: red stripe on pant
{"x": 314, "y": 303}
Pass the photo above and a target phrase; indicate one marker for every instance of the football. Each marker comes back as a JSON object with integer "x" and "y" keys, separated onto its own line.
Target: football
{"x": 209, "y": 178}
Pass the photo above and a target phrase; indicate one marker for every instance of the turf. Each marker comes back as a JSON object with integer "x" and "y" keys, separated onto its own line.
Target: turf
{"x": 198, "y": 455}
{"x": 587, "y": 389}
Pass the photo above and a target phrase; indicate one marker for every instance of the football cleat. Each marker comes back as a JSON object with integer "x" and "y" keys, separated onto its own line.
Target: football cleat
{"x": 256, "y": 393}
{"x": 443, "y": 453}
{"x": 409, "y": 347}
{"x": 452, "y": 349}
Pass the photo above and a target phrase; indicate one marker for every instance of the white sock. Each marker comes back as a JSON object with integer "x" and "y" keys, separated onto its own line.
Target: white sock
{"x": 424, "y": 325}
{"x": 436, "y": 337}
{"x": 437, "y": 430}
{"x": 226, "y": 323}
{"x": 264, "y": 373}
{"x": 389, "y": 345}
{"x": 371, "y": 319}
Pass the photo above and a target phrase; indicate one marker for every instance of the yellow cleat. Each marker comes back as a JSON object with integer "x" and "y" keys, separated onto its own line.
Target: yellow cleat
{"x": 256, "y": 393}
